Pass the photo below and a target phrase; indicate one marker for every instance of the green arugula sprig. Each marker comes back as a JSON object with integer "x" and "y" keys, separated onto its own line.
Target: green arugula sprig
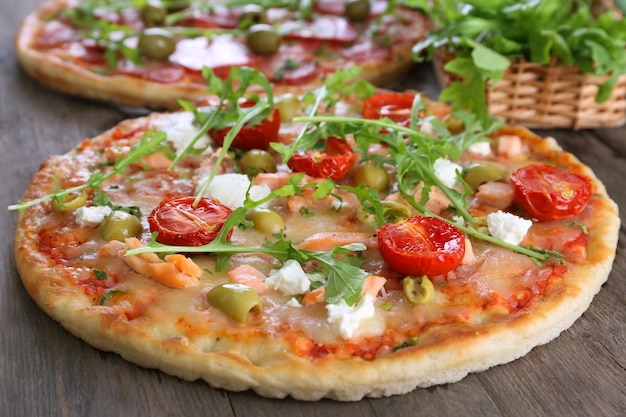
{"x": 485, "y": 36}
{"x": 414, "y": 154}
{"x": 150, "y": 143}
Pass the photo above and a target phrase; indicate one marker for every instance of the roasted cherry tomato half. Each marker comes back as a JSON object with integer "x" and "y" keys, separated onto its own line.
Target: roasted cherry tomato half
{"x": 547, "y": 193}
{"x": 421, "y": 245}
{"x": 334, "y": 162}
{"x": 394, "y": 106}
{"x": 252, "y": 137}
{"x": 179, "y": 223}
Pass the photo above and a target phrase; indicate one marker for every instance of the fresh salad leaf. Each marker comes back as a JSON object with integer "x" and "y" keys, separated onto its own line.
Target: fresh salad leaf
{"x": 481, "y": 35}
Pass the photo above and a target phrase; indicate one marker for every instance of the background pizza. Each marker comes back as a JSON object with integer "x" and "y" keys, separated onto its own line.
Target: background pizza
{"x": 153, "y": 55}
{"x": 557, "y": 379}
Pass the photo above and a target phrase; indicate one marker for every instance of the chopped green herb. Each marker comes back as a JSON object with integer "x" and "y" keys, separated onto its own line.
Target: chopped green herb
{"x": 100, "y": 275}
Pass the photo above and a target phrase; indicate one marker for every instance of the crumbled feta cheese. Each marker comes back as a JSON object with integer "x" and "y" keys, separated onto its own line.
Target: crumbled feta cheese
{"x": 293, "y": 303}
{"x": 182, "y": 132}
{"x": 346, "y": 319}
{"x": 91, "y": 216}
{"x": 427, "y": 128}
{"x": 458, "y": 220}
{"x": 445, "y": 170}
{"x": 480, "y": 148}
{"x": 290, "y": 279}
{"x": 230, "y": 190}
{"x": 508, "y": 227}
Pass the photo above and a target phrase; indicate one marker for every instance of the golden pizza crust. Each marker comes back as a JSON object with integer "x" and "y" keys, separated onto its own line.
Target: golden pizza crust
{"x": 62, "y": 75}
{"x": 230, "y": 358}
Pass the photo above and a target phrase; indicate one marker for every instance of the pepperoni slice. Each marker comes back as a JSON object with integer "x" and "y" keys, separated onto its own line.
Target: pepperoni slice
{"x": 218, "y": 17}
{"x": 160, "y": 72}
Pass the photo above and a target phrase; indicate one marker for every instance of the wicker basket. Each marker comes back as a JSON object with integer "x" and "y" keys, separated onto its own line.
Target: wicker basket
{"x": 555, "y": 96}
{"x": 552, "y": 96}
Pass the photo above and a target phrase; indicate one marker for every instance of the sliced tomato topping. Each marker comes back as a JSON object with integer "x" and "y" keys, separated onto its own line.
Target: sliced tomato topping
{"x": 421, "y": 245}
{"x": 547, "y": 193}
{"x": 178, "y": 222}
{"x": 335, "y": 161}
{"x": 252, "y": 137}
{"x": 394, "y": 106}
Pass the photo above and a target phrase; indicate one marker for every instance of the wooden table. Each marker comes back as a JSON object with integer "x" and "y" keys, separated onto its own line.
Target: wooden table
{"x": 44, "y": 371}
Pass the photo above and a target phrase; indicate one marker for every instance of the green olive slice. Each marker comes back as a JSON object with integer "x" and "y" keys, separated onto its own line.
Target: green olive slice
{"x": 263, "y": 39}
{"x": 257, "y": 160}
{"x": 288, "y": 105}
{"x": 371, "y": 175}
{"x": 119, "y": 225}
{"x": 153, "y": 14}
{"x": 484, "y": 172}
{"x": 266, "y": 221}
{"x": 395, "y": 211}
{"x": 235, "y": 300}
{"x": 418, "y": 290}
{"x": 69, "y": 202}
{"x": 252, "y": 14}
{"x": 357, "y": 10}
{"x": 156, "y": 43}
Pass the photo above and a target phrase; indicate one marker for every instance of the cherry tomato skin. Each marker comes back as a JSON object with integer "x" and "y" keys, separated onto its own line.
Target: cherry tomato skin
{"x": 547, "y": 193}
{"x": 394, "y": 106}
{"x": 335, "y": 161}
{"x": 421, "y": 245}
{"x": 252, "y": 137}
{"x": 179, "y": 223}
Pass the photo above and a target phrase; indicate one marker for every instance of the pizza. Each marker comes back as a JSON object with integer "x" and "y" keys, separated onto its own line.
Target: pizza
{"x": 343, "y": 242}
{"x": 151, "y": 53}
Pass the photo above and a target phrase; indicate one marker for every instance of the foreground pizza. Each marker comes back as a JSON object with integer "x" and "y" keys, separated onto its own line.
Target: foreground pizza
{"x": 370, "y": 256}
{"x": 152, "y": 54}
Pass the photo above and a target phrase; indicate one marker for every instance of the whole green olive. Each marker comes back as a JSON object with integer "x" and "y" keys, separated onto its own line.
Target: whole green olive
{"x": 266, "y": 221}
{"x": 418, "y": 290}
{"x": 235, "y": 300}
{"x": 357, "y": 10}
{"x": 263, "y": 39}
{"x": 119, "y": 225}
{"x": 153, "y": 14}
{"x": 156, "y": 43}
{"x": 69, "y": 202}
{"x": 257, "y": 160}
{"x": 481, "y": 173}
{"x": 454, "y": 125}
{"x": 288, "y": 105}
{"x": 251, "y": 14}
{"x": 372, "y": 175}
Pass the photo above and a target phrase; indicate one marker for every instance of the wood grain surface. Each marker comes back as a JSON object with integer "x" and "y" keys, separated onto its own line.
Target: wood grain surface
{"x": 44, "y": 371}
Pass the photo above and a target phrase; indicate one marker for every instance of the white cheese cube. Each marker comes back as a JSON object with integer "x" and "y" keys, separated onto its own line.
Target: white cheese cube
{"x": 346, "y": 319}
{"x": 445, "y": 170}
{"x": 91, "y": 216}
{"x": 182, "y": 132}
{"x": 230, "y": 190}
{"x": 508, "y": 226}
{"x": 480, "y": 148}
{"x": 290, "y": 279}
